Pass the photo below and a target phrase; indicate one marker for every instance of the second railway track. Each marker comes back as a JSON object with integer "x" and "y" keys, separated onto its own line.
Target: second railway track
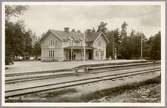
{"x": 22, "y": 77}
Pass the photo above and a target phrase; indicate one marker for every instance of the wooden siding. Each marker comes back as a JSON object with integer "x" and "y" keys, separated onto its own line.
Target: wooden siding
{"x": 100, "y": 46}
{"x": 51, "y": 43}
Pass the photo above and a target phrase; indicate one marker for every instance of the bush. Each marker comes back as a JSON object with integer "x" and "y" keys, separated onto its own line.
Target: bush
{"x": 8, "y": 60}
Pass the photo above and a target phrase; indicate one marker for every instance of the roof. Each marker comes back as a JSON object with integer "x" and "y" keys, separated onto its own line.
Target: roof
{"x": 91, "y": 36}
{"x": 67, "y": 35}
{"x": 63, "y": 36}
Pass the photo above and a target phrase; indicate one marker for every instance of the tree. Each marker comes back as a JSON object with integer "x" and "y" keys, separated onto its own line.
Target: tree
{"x": 102, "y": 27}
{"x": 14, "y": 11}
{"x": 13, "y": 38}
{"x": 93, "y": 29}
{"x": 146, "y": 49}
{"x": 124, "y": 45}
{"x": 37, "y": 49}
{"x": 124, "y": 49}
{"x": 113, "y": 46}
{"x": 27, "y": 52}
{"x": 16, "y": 37}
{"x": 109, "y": 49}
{"x": 129, "y": 46}
{"x": 155, "y": 49}
{"x": 116, "y": 43}
{"x": 135, "y": 44}
{"x": 124, "y": 30}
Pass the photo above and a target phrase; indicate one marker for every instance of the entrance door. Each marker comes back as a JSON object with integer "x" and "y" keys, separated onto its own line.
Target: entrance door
{"x": 90, "y": 55}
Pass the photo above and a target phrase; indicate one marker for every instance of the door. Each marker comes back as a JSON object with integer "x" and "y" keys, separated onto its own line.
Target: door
{"x": 90, "y": 55}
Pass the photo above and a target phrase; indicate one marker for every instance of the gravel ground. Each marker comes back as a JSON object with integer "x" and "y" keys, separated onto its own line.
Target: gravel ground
{"x": 144, "y": 94}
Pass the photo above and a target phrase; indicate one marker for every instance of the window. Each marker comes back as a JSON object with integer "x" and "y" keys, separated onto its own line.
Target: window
{"x": 51, "y": 54}
{"x": 102, "y": 53}
{"x": 52, "y": 43}
{"x": 97, "y": 54}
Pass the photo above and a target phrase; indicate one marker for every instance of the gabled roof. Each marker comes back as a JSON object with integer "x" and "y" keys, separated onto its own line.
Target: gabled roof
{"x": 67, "y": 35}
{"x": 92, "y": 36}
{"x": 64, "y": 36}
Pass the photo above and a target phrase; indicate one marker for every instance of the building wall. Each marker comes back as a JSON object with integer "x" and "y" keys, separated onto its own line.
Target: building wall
{"x": 99, "y": 52}
{"x": 51, "y": 44}
{"x": 51, "y": 49}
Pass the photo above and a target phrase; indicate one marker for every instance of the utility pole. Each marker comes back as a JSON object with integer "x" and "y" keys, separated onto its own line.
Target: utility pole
{"x": 84, "y": 47}
{"x": 141, "y": 55}
{"x": 71, "y": 54}
{"x": 115, "y": 54}
{"x": 113, "y": 48}
{"x": 71, "y": 50}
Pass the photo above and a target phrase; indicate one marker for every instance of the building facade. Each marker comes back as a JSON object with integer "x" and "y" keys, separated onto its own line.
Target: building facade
{"x": 70, "y": 45}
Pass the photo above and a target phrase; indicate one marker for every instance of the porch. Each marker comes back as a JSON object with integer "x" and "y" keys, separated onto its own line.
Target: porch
{"x": 77, "y": 53}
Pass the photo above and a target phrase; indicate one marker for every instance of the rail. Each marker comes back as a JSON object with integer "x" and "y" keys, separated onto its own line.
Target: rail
{"x": 75, "y": 82}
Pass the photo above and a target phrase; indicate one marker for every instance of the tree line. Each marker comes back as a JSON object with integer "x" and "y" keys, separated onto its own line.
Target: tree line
{"x": 133, "y": 45}
{"x": 18, "y": 40}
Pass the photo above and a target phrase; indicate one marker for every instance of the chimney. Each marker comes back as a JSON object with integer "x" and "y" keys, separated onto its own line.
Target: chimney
{"x": 78, "y": 31}
{"x": 66, "y": 29}
{"x": 73, "y": 30}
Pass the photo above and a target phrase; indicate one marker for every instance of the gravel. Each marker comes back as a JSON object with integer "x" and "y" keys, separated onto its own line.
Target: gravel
{"x": 144, "y": 94}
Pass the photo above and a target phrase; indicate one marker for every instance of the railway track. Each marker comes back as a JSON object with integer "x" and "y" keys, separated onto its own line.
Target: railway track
{"x": 79, "y": 81}
{"x": 93, "y": 69}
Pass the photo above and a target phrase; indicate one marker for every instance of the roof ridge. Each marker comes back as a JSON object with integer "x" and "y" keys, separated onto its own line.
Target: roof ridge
{"x": 62, "y": 35}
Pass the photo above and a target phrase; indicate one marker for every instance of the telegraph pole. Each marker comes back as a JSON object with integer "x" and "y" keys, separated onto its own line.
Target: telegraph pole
{"x": 84, "y": 47}
{"x": 115, "y": 54}
{"x": 71, "y": 50}
{"x": 141, "y": 55}
{"x": 113, "y": 48}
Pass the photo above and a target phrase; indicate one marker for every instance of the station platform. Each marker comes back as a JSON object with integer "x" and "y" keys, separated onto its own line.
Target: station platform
{"x": 36, "y": 66}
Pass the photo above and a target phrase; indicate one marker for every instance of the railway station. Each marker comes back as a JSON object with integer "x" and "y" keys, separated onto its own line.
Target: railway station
{"x": 90, "y": 54}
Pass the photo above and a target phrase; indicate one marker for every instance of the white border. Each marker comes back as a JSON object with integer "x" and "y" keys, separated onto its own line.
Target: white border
{"x": 161, "y": 3}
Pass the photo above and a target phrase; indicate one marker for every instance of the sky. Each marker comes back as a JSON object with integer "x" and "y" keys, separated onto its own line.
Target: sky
{"x": 141, "y": 18}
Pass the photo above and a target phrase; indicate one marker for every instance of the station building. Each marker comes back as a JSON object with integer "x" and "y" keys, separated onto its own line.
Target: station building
{"x": 69, "y": 45}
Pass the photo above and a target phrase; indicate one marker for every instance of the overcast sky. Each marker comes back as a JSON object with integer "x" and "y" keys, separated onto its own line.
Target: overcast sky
{"x": 142, "y": 18}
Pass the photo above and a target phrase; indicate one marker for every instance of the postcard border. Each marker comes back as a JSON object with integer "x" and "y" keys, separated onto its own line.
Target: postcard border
{"x": 163, "y": 51}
